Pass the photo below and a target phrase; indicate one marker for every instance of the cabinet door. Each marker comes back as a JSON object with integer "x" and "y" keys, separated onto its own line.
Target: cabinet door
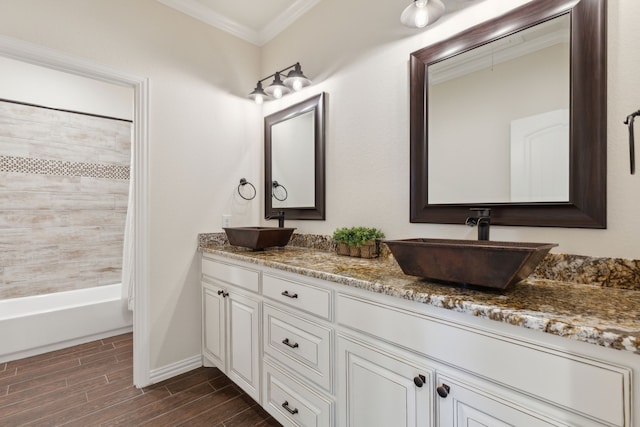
{"x": 459, "y": 404}
{"x": 213, "y": 326}
{"x": 382, "y": 389}
{"x": 243, "y": 341}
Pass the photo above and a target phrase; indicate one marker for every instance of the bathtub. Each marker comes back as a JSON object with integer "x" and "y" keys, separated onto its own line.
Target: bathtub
{"x": 42, "y": 323}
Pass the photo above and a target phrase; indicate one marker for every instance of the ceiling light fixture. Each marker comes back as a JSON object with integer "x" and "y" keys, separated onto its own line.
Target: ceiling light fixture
{"x": 294, "y": 81}
{"x": 421, "y": 13}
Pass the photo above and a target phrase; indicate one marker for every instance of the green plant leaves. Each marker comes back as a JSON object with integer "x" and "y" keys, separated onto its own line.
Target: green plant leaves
{"x": 356, "y": 236}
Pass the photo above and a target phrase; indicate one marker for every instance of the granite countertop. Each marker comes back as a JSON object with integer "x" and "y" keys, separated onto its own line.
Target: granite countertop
{"x": 605, "y": 316}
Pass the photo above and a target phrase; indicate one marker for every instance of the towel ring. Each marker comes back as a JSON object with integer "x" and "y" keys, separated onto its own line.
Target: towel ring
{"x": 244, "y": 182}
{"x": 275, "y": 186}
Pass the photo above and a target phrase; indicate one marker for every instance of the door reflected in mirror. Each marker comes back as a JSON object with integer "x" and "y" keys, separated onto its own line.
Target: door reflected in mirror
{"x": 294, "y": 140}
{"x": 499, "y": 120}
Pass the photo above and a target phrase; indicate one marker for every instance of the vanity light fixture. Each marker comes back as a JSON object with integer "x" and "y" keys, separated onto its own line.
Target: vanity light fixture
{"x": 294, "y": 81}
{"x": 258, "y": 94}
{"x": 277, "y": 88}
{"x": 421, "y": 13}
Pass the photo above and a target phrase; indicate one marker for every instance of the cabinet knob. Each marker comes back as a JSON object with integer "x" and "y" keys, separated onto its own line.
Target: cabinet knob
{"x": 288, "y": 295}
{"x": 223, "y": 293}
{"x": 420, "y": 380}
{"x": 293, "y": 411}
{"x": 443, "y": 390}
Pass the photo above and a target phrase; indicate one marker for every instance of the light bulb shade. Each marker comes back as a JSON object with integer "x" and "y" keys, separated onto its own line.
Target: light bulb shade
{"x": 277, "y": 88}
{"x": 258, "y": 94}
{"x": 296, "y": 80}
{"x": 421, "y": 13}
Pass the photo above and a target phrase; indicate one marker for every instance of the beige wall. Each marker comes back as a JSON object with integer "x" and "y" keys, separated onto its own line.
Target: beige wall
{"x": 359, "y": 55}
{"x": 202, "y": 134}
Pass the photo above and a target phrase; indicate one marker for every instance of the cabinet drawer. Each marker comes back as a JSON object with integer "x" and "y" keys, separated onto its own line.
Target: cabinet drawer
{"x": 233, "y": 274}
{"x": 302, "y": 296}
{"x": 298, "y": 344}
{"x": 293, "y": 404}
{"x": 589, "y": 387}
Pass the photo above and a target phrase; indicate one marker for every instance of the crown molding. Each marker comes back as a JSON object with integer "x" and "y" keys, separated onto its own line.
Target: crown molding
{"x": 202, "y": 13}
{"x": 285, "y": 19}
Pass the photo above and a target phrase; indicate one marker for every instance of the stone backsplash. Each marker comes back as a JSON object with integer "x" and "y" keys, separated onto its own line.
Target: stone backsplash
{"x": 606, "y": 272}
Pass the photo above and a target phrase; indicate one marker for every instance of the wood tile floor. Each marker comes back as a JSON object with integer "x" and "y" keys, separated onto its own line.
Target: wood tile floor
{"x": 91, "y": 385}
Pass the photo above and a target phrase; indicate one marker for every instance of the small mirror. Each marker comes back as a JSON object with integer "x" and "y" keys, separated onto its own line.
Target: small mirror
{"x": 294, "y": 160}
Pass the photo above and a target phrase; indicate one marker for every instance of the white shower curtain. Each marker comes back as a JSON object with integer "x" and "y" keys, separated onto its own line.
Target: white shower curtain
{"x": 128, "y": 279}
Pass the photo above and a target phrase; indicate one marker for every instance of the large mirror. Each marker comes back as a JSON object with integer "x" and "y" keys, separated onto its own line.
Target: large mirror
{"x": 294, "y": 160}
{"x": 511, "y": 115}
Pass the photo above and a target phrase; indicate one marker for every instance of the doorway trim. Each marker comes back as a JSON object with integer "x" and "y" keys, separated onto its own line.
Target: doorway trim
{"x": 49, "y": 58}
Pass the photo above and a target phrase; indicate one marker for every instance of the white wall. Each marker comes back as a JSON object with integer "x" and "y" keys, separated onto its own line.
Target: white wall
{"x": 204, "y": 134}
{"x": 358, "y": 53}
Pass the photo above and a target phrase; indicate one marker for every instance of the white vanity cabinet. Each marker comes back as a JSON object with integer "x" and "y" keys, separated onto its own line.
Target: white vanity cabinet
{"x": 231, "y": 323}
{"x": 318, "y": 353}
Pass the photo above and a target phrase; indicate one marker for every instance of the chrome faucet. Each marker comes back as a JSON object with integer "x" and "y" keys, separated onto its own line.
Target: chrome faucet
{"x": 482, "y": 220}
{"x": 279, "y": 216}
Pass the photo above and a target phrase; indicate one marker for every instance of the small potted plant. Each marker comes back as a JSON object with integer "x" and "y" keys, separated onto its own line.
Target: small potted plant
{"x": 342, "y": 237}
{"x": 357, "y": 241}
{"x": 367, "y": 239}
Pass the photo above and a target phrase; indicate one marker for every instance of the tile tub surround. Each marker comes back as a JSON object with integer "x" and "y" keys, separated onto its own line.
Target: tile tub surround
{"x": 605, "y": 316}
{"x": 64, "y": 183}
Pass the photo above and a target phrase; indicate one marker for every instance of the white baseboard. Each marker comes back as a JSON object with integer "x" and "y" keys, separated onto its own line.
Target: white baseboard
{"x": 177, "y": 368}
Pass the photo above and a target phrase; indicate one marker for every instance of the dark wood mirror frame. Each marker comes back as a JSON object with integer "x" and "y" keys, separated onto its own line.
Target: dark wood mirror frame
{"x": 317, "y": 105}
{"x": 588, "y": 119}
